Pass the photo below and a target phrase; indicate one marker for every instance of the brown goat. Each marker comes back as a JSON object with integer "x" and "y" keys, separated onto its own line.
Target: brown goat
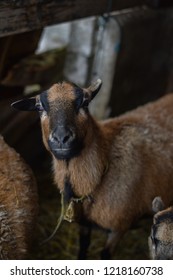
{"x": 161, "y": 238}
{"x": 18, "y": 204}
{"x": 117, "y": 166}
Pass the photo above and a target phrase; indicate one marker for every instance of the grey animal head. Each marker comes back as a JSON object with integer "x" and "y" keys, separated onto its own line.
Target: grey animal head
{"x": 161, "y": 237}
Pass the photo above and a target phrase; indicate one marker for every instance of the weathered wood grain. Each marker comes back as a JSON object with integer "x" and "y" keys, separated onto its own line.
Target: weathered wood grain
{"x": 17, "y": 16}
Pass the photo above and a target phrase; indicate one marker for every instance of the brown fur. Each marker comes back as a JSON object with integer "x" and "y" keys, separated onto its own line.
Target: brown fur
{"x": 138, "y": 149}
{"x": 126, "y": 161}
{"x": 62, "y": 88}
{"x": 161, "y": 238}
{"x": 18, "y": 204}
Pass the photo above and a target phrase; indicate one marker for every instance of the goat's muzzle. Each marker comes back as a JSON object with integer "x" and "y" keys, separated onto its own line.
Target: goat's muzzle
{"x": 64, "y": 143}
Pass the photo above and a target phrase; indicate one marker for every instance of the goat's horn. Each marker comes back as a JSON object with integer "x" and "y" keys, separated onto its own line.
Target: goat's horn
{"x": 95, "y": 87}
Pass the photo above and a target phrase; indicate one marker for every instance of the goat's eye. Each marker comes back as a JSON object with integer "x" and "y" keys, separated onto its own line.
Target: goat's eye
{"x": 85, "y": 103}
{"x": 39, "y": 106}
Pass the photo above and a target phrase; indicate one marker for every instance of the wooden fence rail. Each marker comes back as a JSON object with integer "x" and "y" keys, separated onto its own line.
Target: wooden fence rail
{"x": 17, "y": 16}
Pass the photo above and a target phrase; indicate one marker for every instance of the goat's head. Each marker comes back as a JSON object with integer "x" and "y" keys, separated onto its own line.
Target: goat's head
{"x": 64, "y": 116}
{"x": 161, "y": 238}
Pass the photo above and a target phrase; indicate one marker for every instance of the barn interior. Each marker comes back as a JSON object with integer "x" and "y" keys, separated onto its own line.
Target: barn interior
{"x": 128, "y": 44}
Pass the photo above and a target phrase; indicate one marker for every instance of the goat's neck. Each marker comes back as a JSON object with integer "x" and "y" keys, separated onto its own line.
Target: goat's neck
{"x": 85, "y": 171}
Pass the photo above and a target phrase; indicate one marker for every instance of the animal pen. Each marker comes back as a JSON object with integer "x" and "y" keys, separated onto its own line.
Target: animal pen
{"x": 128, "y": 44}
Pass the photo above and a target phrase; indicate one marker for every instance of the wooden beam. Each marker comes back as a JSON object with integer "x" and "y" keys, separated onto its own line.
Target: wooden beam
{"x": 17, "y": 16}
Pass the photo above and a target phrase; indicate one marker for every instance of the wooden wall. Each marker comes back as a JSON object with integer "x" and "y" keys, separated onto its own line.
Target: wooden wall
{"x": 144, "y": 68}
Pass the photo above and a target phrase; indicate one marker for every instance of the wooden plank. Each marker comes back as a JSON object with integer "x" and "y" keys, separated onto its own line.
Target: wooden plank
{"x": 17, "y": 16}
{"x": 15, "y": 47}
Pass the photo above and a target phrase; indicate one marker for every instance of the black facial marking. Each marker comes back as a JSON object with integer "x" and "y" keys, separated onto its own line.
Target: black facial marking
{"x": 79, "y": 98}
{"x": 79, "y": 92}
{"x": 74, "y": 150}
{"x": 44, "y": 101}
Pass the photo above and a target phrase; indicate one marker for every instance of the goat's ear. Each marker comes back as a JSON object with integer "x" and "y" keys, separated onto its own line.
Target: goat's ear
{"x": 157, "y": 204}
{"x": 93, "y": 89}
{"x": 26, "y": 104}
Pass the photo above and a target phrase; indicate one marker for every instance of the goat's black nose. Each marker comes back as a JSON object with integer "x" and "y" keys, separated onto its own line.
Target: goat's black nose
{"x": 62, "y": 135}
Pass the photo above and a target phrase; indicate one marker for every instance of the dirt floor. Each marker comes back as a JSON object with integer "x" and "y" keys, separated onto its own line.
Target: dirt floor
{"x": 65, "y": 244}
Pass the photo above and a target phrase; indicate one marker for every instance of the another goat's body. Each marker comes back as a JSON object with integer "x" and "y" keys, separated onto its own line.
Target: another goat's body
{"x": 18, "y": 204}
{"x": 160, "y": 240}
{"x": 126, "y": 163}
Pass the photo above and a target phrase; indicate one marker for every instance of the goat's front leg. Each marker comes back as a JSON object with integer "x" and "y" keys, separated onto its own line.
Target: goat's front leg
{"x": 112, "y": 240}
{"x": 84, "y": 241}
